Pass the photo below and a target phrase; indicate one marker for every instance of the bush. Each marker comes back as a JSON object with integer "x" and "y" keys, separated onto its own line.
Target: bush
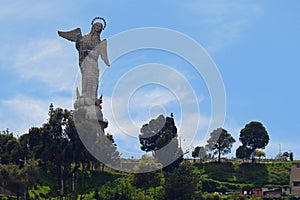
{"x": 236, "y": 196}
{"x": 210, "y": 196}
{"x": 121, "y": 189}
{"x": 209, "y": 185}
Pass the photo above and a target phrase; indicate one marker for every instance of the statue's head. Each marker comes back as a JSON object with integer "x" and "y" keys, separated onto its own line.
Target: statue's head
{"x": 98, "y": 26}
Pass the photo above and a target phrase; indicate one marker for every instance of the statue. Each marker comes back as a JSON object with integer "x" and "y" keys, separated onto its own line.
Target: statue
{"x": 87, "y": 113}
{"x": 89, "y": 48}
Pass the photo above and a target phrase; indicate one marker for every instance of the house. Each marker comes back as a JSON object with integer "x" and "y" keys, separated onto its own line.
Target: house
{"x": 257, "y": 192}
{"x": 295, "y": 179}
{"x": 272, "y": 192}
{"x": 285, "y": 191}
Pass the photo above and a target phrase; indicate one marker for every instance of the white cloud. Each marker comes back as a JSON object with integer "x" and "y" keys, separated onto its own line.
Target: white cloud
{"x": 222, "y": 22}
{"x": 157, "y": 96}
{"x": 24, "y": 9}
{"x": 143, "y": 93}
{"x": 22, "y": 112}
{"x": 50, "y": 61}
{"x": 126, "y": 128}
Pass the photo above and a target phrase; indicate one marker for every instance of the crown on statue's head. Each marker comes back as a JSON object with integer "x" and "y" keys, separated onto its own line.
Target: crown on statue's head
{"x": 101, "y": 18}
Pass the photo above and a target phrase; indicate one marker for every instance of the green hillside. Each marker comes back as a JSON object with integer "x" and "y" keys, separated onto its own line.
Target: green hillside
{"x": 210, "y": 177}
{"x": 214, "y": 176}
{"x": 234, "y": 175}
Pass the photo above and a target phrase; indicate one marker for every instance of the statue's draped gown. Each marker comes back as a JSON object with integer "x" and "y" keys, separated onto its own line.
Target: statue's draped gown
{"x": 88, "y": 63}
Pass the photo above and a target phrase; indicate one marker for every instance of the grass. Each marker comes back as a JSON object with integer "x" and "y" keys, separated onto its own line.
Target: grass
{"x": 213, "y": 176}
{"x": 233, "y": 175}
{"x": 92, "y": 180}
{"x": 39, "y": 192}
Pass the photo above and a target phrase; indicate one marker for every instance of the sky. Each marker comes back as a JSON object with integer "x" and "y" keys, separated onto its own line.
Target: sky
{"x": 251, "y": 48}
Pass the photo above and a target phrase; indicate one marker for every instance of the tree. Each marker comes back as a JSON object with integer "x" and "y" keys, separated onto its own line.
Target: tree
{"x": 182, "y": 183}
{"x": 59, "y": 149}
{"x": 11, "y": 178}
{"x": 106, "y": 151}
{"x": 285, "y": 155}
{"x": 195, "y": 153}
{"x": 19, "y": 179}
{"x": 291, "y": 156}
{"x": 149, "y": 173}
{"x": 30, "y": 174}
{"x": 55, "y": 145}
{"x": 9, "y": 148}
{"x": 157, "y": 133}
{"x": 220, "y": 142}
{"x": 121, "y": 188}
{"x": 260, "y": 153}
{"x": 254, "y": 136}
{"x": 242, "y": 152}
{"x": 160, "y": 137}
{"x": 199, "y": 152}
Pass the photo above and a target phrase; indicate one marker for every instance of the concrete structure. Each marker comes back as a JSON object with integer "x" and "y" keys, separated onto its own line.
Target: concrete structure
{"x": 295, "y": 179}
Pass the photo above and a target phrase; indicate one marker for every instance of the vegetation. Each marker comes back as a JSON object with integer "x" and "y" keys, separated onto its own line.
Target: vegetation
{"x": 160, "y": 137}
{"x": 236, "y": 176}
{"x": 150, "y": 173}
{"x": 182, "y": 184}
{"x": 253, "y": 136}
{"x": 51, "y": 162}
{"x": 243, "y": 152}
{"x": 199, "y": 152}
{"x": 259, "y": 153}
{"x": 53, "y": 150}
{"x": 220, "y": 142}
{"x": 286, "y": 156}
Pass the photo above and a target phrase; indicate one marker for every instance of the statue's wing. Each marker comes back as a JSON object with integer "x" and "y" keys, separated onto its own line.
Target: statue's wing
{"x": 103, "y": 52}
{"x": 73, "y": 35}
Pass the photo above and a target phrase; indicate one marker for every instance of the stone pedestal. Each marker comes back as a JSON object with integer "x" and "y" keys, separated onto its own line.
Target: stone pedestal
{"x": 92, "y": 110}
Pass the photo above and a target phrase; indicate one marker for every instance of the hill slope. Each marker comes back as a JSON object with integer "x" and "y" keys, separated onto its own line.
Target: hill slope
{"x": 233, "y": 175}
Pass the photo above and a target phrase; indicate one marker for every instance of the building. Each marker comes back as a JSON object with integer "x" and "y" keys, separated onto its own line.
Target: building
{"x": 285, "y": 191}
{"x": 270, "y": 192}
{"x": 257, "y": 192}
{"x": 295, "y": 179}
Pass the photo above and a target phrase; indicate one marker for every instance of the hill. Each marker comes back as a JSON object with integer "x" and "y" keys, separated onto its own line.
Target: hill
{"x": 212, "y": 177}
{"x": 235, "y": 175}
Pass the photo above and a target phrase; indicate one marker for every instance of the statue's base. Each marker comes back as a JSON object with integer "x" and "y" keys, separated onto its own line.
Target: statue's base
{"x": 90, "y": 110}
{"x": 90, "y": 125}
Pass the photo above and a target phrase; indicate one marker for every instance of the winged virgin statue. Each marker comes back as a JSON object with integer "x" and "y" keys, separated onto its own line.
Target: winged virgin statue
{"x": 89, "y": 47}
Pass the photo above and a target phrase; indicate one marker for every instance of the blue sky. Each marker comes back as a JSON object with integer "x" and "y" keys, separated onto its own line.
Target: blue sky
{"x": 254, "y": 44}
